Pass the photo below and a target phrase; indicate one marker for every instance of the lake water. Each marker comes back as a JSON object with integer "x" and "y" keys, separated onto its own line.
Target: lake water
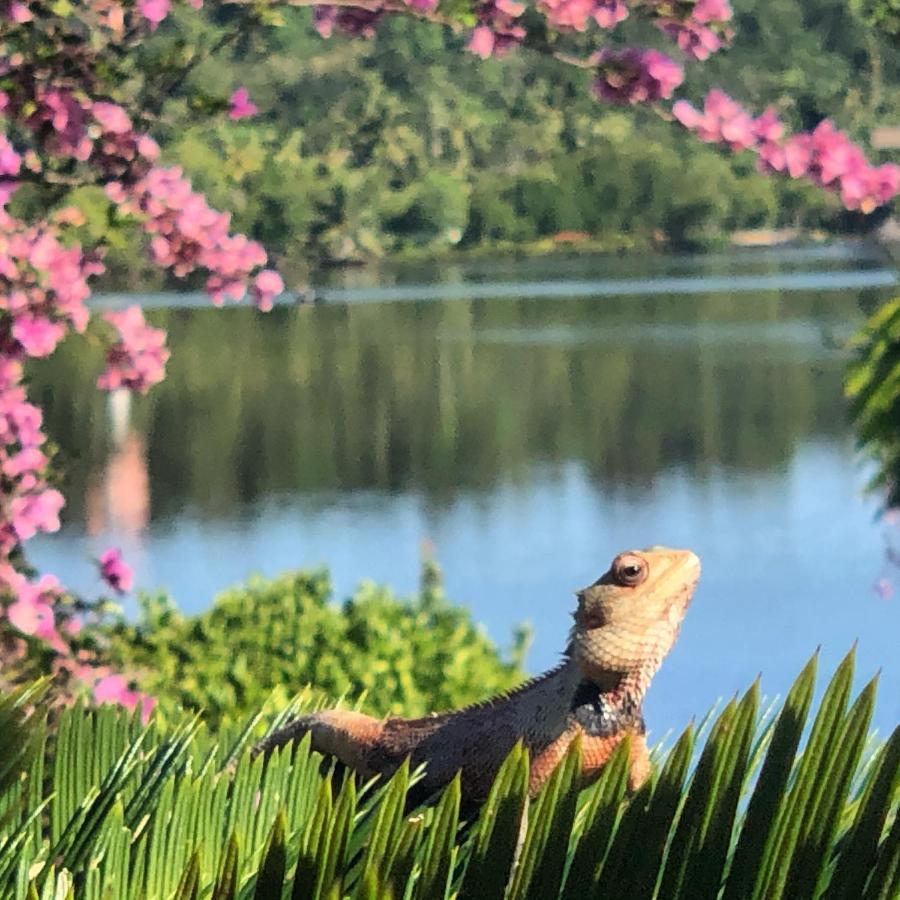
{"x": 527, "y": 419}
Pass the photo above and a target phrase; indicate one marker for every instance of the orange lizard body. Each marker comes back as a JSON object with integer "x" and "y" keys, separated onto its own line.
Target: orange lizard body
{"x": 625, "y": 624}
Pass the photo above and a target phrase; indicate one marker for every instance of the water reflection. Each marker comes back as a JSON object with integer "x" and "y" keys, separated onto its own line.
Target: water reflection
{"x": 117, "y": 498}
{"x": 441, "y": 397}
{"x": 528, "y": 439}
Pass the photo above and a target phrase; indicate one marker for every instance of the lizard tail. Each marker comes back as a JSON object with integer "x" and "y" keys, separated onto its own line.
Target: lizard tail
{"x": 350, "y": 736}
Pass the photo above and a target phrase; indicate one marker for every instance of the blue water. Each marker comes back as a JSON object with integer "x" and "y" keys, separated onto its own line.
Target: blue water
{"x": 764, "y": 484}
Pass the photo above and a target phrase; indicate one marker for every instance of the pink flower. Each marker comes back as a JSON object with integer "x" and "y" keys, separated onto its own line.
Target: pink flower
{"x": 826, "y": 156}
{"x": 187, "y": 235}
{"x": 35, "y": 512}
{"x": 884, "y": 588}
{"x": 28, "y": 460}
{"x": 496, "y": 31}
{"x": 148, "y": 148}
{"x": 110, "y": 689}
{"x": 138, "y": 359}
{"x": 565, "y": 14}
{"x": 712, "y": 11}
{"x": 324, "y": 20}
{"x": 768, "y": 127}
{"x": 115, "y": 572}
{"x": 19, "y": 12}
{"x": 481, "y": 42}
{"x": 636, "y": 76}
{"x": 10, "y": 161}
{"x": 37, "y": 335}
{"x": 115, "y": 689}
{"x": 608, "y": 13}
{"x": 112, "y": 118}
{"x": 797, "y": 155}
{"x": 32, "y": 617}
{"x": 154, "y": 11}
{"x": 32, "y": 612}
{"x": 699, "y": 30}
{"x": 240, "y": 105}
{"x": 266, "y": 287}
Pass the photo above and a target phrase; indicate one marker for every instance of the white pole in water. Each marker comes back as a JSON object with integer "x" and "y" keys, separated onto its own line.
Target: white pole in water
{"x": 119, "y": 414}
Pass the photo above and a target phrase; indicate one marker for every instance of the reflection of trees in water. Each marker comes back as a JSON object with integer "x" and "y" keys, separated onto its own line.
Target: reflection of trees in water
{"x": 440, "y": 396}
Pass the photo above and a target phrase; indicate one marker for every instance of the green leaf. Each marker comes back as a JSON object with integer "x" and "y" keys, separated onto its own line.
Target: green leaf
{"x": 543, "y": 858}
{"x": 826, "y": 734}
{"x": 270, "y": 878}
{"x": 884, "y": 882}
{"x": 190, "y": 880}
{"x": 829, "y": 794}
{"x": 227, "y": 882}
{"x": 312, "y": 850}
{"x": 386, "y": 826}
{"x": 434, "y": 880}
{"x": 599, "y": 817}
{"x": 21, "y": 733}
{"x": 408, "y": 841}
{"x": 858, "y": 855}
{"x": 700, "y": 800}
{"x": 639, "y": 861}
{"x": 710, "y": 852}
{"x": 497, "y": 830}
{"x": 768, "y": 794}
{"x": 332, "y": 853}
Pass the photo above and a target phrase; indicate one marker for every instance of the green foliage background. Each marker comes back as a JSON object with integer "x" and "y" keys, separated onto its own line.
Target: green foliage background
{"x": 873, "y": 386}
{"x": 269, "y": 639}
{"x": 406, "y": 143}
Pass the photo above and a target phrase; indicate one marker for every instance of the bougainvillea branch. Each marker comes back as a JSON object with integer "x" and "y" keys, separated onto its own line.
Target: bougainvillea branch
{"x": 73, "y": 112}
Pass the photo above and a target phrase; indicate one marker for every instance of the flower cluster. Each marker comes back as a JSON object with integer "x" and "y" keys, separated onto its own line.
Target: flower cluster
{"x": 115, "y": 571}
{"x": 114, "y": 688}
{"x": 240, "y": 106}
{"x": 187, "y": 234}
{"x": 578, "y": 14}
{"x": 496, "y": 31}
{"x": 824, "y": 156}
{"x": 62, "y": 127}
{"x": 700, "y": 29}
{"x": 43, "y": 287}
{"x": 137, "y": 360}
{"x": 32, "y": 610}
{"x": 633, "y": 75}
{"x": 156, "y": 11}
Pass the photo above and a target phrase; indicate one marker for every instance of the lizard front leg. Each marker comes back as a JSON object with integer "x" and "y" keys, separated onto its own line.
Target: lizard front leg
{"x": 595, "y": 753}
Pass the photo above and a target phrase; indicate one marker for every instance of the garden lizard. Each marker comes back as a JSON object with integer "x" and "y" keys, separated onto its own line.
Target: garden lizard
{"x": 625, "y": 624}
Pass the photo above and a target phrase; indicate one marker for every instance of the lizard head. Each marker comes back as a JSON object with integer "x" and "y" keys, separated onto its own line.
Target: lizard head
{"x": 628, "y": 620}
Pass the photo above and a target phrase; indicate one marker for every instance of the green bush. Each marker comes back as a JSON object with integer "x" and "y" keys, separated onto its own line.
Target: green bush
{"x": 109, "y": 809}
{"x": 271, "y": 638}
{"x": 873, "y": 386}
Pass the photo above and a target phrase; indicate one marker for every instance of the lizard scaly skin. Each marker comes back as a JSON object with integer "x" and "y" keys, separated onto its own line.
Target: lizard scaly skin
{"x": 625, "y": 624}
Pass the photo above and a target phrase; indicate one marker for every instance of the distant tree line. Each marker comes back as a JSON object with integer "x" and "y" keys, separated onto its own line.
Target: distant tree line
{"x": 373, "y": 147}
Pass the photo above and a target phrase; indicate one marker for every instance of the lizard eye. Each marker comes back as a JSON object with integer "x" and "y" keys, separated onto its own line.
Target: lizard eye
{"x": 629, "y": 571}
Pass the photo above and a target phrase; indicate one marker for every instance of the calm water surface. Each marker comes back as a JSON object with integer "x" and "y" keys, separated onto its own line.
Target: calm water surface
{"x": 529, "y": 419}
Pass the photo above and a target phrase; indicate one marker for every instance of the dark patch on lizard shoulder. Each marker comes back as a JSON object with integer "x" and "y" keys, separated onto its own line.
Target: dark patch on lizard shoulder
{"x": 599, "y": 716}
